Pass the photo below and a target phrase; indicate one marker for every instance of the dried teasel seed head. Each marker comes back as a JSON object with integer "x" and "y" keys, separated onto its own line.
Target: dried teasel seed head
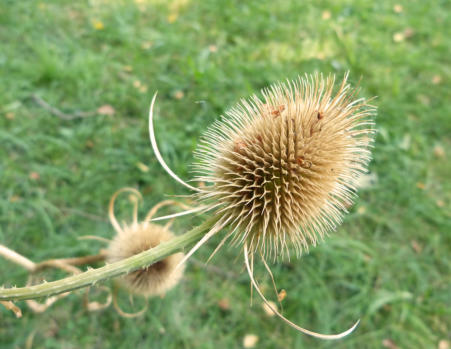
{"x": 283, "y": 168}
{"x": 156, "y": 279}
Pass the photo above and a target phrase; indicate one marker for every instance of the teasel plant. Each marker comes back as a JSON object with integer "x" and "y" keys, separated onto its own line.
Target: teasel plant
{"x": 280, "y": 171}
{"x": 133, "y": 238}
{"x": 130, "y": 239}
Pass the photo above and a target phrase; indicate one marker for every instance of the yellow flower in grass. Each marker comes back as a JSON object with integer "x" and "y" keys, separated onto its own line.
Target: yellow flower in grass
{"x": 97, "y": 24}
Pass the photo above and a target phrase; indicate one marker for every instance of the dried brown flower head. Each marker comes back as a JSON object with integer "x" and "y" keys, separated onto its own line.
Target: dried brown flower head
{"x": 284, "y": 168}
{"x": 158, "y": 278}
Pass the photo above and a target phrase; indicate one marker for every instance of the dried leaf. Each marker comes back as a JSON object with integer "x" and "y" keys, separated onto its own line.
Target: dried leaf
{"x": 282, "y": 295}
{"x": 11, "y": 306}
{"x": 443, "y": 344}
{"x": 224, "y": 304}
{"x": 421, "y": 185}
{"x": 436, "y": 79}
{"x": 439, "y": 151}
{"x": 326, "y": 15}
{"x": 179, "y": 94}
{"x": 142, "y": 167}
{"x": 106, "y": 110}
{"x": 398, "y": 8}
{"x": 388, "y": 343}
{"x": 408, "y": 33}
{"x": 34, "y": 176}
{"x": 250, "y": 340}
{"x": 398, "y": 37}
{"x": 267, "y": 308}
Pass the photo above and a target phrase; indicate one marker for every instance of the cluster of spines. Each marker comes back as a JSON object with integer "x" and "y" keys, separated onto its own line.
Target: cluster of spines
{"x": 285, "y": 167}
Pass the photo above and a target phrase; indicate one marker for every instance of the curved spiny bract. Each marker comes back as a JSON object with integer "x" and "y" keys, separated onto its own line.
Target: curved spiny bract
{"x": 285, "y": 167}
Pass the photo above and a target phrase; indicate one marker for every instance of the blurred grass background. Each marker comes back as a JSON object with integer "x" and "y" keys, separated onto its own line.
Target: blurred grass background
{"x": 388, "y": 264}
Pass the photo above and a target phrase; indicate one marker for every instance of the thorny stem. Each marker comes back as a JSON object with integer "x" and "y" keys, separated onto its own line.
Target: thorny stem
{"x": 92, "y": 276}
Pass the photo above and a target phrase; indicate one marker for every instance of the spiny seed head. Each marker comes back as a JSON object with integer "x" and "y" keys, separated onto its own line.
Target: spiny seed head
{"x": 155, "y": 279}
{"x": 283, "y": 168}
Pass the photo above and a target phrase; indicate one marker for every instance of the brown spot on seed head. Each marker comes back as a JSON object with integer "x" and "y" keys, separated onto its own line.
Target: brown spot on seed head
{"x": 319, "y": 115}
{"x": 303, "y": 163}
{"x": 239, "y": 146}
{"x": 278, "y": 110}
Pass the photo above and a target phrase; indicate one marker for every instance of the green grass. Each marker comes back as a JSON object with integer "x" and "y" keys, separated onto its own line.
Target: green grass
{"x": 388, "y": 264}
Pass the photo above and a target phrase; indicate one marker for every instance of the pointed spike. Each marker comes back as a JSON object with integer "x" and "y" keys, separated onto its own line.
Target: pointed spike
{"x": 153, "y": 141}
{"x": 292, "y": 324}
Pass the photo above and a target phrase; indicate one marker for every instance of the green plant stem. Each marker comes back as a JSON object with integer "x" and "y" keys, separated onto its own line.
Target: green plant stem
{"x": 92, "y": 276}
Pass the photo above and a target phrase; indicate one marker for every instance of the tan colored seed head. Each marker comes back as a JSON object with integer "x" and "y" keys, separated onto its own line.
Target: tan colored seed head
{"x": 283, "y": 168}
{"x": 157, "y": 278}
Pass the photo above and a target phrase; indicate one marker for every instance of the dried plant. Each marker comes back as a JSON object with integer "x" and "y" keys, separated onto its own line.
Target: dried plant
{"x": 151, "y": 280}
{"x": 68, "y": 265}
{"x": 157, "y": 278}
{"x": 282, "y": 170}
{"x": 280, "y": 173}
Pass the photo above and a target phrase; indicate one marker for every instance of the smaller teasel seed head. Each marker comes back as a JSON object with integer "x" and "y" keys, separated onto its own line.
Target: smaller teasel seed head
{"x": 155, "y": 279}
{"x": 136, "y": 237}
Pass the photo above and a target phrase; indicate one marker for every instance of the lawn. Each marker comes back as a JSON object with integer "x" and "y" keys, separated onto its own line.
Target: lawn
{"x": 99, "y": 62}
